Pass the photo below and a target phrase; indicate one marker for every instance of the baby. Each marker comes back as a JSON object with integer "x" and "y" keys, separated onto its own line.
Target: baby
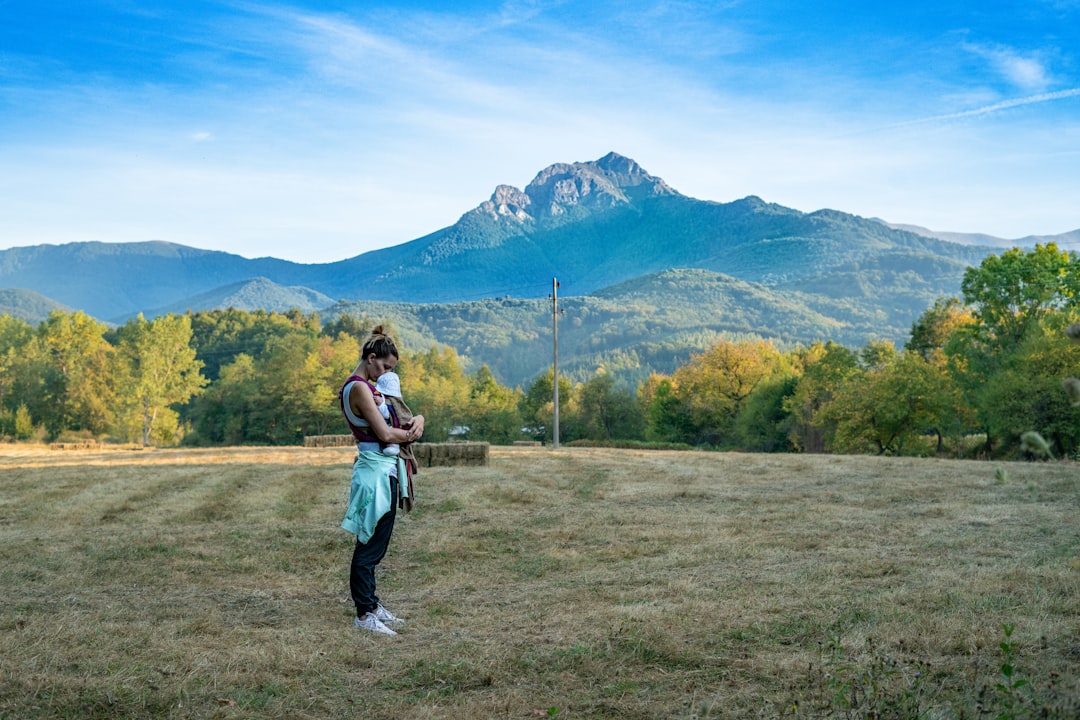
{"x": 389, "y": 385}
{"x": 393, "y": 405}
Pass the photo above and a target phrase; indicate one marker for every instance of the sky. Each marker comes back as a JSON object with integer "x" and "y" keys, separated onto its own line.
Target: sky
{"x": 317, "y": 131}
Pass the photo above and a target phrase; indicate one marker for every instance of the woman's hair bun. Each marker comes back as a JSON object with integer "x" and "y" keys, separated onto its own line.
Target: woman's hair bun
{"x": 379, "y": 343}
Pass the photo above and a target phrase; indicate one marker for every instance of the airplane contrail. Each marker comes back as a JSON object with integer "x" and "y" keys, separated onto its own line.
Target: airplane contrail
{"x": 1004, "y": 105}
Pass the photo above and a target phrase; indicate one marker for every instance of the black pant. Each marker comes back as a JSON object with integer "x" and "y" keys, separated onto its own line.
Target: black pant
{"x": 367, "y": 555}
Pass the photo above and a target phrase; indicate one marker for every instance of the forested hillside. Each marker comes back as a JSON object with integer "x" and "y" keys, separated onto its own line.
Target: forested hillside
{"x": 655, "y": 322}
{"x": 28, "y": 305}
{"x": 651, "y": 324}
{"x": 256, "y": 294}
{"x": 994, "y": 373}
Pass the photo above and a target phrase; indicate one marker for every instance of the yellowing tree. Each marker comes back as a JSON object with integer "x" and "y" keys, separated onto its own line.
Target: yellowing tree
{"x": 435, "y": 385}
{"x": 716, "y": 383}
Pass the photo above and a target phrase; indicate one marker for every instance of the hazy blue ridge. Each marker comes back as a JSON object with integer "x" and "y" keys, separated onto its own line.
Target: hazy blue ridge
{"x": 27, "y": 305}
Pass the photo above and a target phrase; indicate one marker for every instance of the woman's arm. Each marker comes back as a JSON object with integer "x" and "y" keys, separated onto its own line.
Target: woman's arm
{"x": 363, "y": 404}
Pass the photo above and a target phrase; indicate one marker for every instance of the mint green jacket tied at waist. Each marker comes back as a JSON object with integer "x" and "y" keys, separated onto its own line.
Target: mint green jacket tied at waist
{"x": 370, "y": 495}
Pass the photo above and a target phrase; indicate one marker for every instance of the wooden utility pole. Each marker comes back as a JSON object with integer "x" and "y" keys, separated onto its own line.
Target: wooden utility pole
{"x": 555, "y": 372}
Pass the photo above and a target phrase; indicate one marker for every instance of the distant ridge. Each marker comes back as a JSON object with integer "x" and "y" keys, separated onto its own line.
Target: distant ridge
{"x": 255, "y": 294}
{"x": 28, "y": 305}
{"x": 1065, "y": 241}
{"x": 112, "y": 280}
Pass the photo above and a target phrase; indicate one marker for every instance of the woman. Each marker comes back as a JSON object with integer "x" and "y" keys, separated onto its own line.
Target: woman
{"x": 375, "y": 490}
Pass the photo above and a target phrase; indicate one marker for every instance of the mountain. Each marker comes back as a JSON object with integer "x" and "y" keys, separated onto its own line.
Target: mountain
{"x": 111, "y": 280}
{"x": 589, "y": 224}
{"x": 1065, "y": 241}
{"x": 650, "y": 274}
{"x": 592, "y": 225}
{"x": 256, "y": 294}
{"x": 27, "y": 305}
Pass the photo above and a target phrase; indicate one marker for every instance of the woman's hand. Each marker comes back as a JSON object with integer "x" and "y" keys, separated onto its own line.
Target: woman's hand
{"x": 416, "y": 428}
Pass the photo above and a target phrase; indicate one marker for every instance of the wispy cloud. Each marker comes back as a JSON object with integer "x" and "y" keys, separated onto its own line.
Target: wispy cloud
{"x": 514, "y": 12}
{"x": 1026, "y": 72}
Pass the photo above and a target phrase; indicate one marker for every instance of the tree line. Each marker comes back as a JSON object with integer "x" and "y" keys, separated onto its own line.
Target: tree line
{"x": 976, "y": 374}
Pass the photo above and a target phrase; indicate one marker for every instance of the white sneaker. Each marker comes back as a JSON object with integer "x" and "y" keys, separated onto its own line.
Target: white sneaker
{"x": 372, "y": 623}
{"x": 385, "y": 616}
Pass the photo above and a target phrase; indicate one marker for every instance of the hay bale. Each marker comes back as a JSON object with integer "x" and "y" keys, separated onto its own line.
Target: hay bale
{"x": 451, "y": 454}
{"x": 321, "y": 441}
{"x": 76, "y": 445}
{"x": 422, "y": 453}
{"x": 446, "y": 454}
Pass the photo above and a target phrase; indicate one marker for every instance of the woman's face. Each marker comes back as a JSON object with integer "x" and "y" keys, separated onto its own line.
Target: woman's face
{"x": 376, "y": 366}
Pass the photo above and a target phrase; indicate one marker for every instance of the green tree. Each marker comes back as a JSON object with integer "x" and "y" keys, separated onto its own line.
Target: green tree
{"x": 538, "y": 407}
{"x": 493, "y": 414}
{"x": 160, "y": 371}
{"x": 1010, "y": 295}
{"x": 1025, "y": 392}
{"x": 667, "y": 413}
{"x": 225, "y": 411}
{"x": 887, "y": 408}
{"x": 607, "y": 412}
{"x": 77, "y": 381}
{"x": 1011, "y": 290}
{"x": 825, "y": 368}
{"x": 350, "y": 325}
{"x": 761, "y": 425}
{"x": 218, "y": 336}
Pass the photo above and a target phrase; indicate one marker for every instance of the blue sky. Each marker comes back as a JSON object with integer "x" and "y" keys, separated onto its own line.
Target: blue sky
{"x": 318, "y": 131}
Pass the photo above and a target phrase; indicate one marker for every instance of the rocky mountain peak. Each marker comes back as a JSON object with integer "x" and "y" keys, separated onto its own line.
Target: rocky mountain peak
{"x": 610, "y": 181}
{"x": 507, "y": 202}
{"x": 622, "y": 167}
{"x": 602, "y": 184}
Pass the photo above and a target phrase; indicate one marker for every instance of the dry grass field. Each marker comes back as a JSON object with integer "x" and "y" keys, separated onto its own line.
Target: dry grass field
{"x": 577, "y": 583}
